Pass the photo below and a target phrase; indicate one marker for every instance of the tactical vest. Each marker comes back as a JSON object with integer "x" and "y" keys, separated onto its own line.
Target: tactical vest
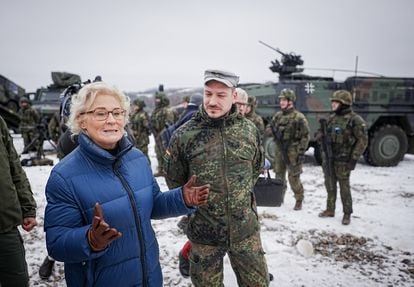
{"x": 340, "y": 129}
{"x": 288, "y": 124}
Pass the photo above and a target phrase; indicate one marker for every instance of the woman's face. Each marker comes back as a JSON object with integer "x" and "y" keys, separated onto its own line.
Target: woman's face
{"x": 104, "y": 132}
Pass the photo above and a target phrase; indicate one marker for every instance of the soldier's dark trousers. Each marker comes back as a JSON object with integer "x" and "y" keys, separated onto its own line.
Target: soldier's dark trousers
{"x": 342, "y": 177}
{"x": 13, "y": 267}
{"x": 246, "y": 257}
{"x": 27, "y": 139}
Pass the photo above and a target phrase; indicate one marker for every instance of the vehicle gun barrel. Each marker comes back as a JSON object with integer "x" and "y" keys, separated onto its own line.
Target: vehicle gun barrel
{"x": 273, "y": 48}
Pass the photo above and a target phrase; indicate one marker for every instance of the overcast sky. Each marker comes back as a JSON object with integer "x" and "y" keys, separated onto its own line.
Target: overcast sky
{"x": 137, "y": 45}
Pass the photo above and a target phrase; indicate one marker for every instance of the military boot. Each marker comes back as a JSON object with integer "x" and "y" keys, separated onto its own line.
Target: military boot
{"x": 298, "y": 205}
{"x": 346, "y": 220}
{"x": 183, "y": 265}
{"x": 327, "y": 213}
{"x": 46, "y": 268}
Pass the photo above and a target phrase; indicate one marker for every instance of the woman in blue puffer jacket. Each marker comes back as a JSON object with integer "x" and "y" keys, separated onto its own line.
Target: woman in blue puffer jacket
{"x": 102, "y": 196}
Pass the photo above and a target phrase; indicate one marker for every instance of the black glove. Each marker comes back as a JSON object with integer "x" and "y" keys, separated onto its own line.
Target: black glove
{"x": 351, "y": 164}
{"x": 100, "y": 234}
{"x": 301, "y": 158}
{"x": 195, "y": 195}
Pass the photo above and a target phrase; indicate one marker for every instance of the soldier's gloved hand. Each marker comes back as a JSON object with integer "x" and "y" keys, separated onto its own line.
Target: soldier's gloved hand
{"x": 301, "y": 158}
{"x": 195, "y": 195}
{"x": 100, "y": 235}
{"x": 351, "y": 164}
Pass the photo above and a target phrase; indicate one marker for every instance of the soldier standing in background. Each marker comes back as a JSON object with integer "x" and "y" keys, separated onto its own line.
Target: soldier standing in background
{"x": 348, "y": 136}
{"x": 291, "y": 132}
{"x": 160, "y": 118}
{"x": 139, "y": 123}
{"x": 255, "y": 118}
{"x": 28, "y": 121}
{"x": 223, "y": 149}
{"x": 185, "y": 101}
{"x": 54, "y": 128}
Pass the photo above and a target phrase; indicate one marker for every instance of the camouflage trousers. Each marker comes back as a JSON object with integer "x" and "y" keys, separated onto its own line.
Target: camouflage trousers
{"x": 246, "y": 258}
{"x": 159, "y": 152}
{"x": 341, "y": 175}
{"x": 294, "y": 172}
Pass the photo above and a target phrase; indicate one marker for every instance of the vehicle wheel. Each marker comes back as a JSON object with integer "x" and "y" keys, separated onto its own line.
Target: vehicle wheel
{"x": 317, "y": 153}
{"x": 387, "y": 146}
{"x": 269, "y": 148}
{"x": 12, "y": 106}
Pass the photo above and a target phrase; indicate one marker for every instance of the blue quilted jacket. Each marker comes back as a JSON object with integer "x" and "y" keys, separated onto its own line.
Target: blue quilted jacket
{"x": 130, "y": 197}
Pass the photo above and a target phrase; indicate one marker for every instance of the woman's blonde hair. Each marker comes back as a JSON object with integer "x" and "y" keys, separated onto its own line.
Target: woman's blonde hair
{"x": 83, "y": 100}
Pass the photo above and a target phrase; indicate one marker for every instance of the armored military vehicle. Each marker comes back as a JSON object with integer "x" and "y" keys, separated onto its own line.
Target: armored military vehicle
{"x": 386, "y": 103}
{"x": 46, "y": 101}
{"x": 10, "y": 94}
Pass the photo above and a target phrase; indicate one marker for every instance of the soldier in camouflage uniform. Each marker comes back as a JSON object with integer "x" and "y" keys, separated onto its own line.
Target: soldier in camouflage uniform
{"x": 255, "y": 118}
{"x": 293, "y": 129}
{"x": 139, "y": 123}
{"x": 223, "y": 149}
{"x": 54, "y": 128}
{"x": 28, "y": 121}
{"x": 349, "y": 138}
{"x": 160, "y": 118}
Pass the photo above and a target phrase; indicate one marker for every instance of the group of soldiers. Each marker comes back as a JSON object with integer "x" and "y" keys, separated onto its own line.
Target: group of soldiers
{"x": 345, "y": 138}
{"x": 346, "y": 131}
{"x": 347, "y": 135}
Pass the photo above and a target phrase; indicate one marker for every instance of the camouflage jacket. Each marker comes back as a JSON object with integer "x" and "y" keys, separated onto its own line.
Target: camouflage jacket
{"x": 294, "y": 129}
{"x": 227, "y": 154}
{"x": 28, "y": 118}
{"x": 160, "y": 118}
{"x": 258, "y": 122}
{"x": 54, "y": 127}
{"x": 16, "y": 198}
{"x": 349, "y": 136}
{"x": 139, "y": 123}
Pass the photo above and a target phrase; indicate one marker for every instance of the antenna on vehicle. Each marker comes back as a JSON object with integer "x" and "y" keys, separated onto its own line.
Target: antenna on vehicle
{"x": 356, "y": 65}
{"x": 356, "y": 73}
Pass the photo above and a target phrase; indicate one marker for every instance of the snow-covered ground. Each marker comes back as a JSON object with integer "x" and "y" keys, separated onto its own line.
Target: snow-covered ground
{"x": 376, "y": 249}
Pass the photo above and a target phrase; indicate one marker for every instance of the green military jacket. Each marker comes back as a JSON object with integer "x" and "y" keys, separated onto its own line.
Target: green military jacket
{"x": 294, "y": 129}
{"x": 227, "y": 154}
{"x": 257, "y": 120}
{"x": 349, "y": 136}
{"x": 140, "y": 127}
{"x": 16, "y": 198}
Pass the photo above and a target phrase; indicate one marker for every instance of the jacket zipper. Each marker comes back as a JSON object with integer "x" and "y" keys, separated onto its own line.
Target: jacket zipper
{"x": 228, "y": 240}
{"x": 136, "y": 218}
